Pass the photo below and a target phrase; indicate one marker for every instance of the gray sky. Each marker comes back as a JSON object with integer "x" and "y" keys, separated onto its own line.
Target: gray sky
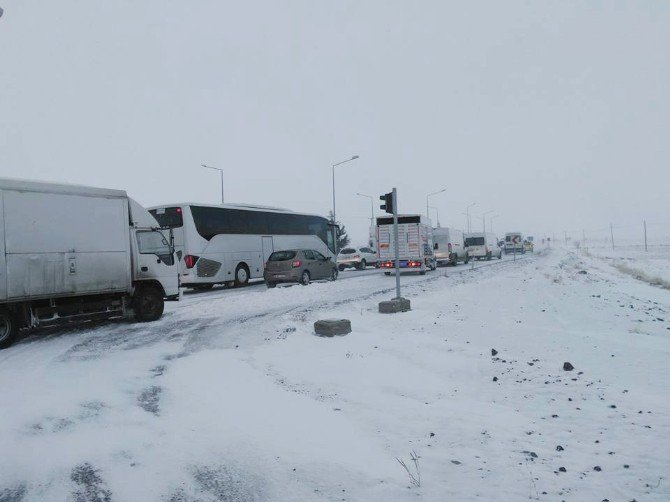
{"x": 553, "y": 114}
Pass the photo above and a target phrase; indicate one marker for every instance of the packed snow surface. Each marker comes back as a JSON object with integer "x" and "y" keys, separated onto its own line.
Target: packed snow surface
{"x": 231, "y": 397}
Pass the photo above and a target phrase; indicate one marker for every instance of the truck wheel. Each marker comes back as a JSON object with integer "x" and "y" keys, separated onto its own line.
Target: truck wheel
{"x": 362, "y": 265}
{"x": 387, "y": 273}
{"x": 148, "y": 304}
{"x": 341, "y": 268}
{"x": 271, "y": 285}
{"x": 241, "y": 275}
{"x": 9, "y": 329}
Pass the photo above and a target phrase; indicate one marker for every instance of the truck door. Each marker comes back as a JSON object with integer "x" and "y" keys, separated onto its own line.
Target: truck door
{"x": 155, "y": 260}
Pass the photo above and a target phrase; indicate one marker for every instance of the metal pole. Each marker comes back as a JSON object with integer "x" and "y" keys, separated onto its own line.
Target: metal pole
{"x": 645, "y": 235}
{"x": 334, "y": 220}
{"x": 221, "y": 173}
{"x": 395, "y": 240}
{"x": 612, "y": 235}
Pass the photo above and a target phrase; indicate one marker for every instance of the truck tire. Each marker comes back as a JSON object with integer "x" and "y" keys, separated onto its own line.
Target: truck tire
{"x": 148, "y": 304}
{"x": 9, "y": 329}
{"x": 362, "y": 265}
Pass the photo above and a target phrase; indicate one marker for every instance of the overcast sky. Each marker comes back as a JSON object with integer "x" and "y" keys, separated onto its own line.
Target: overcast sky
{"x": 554, "y": 115}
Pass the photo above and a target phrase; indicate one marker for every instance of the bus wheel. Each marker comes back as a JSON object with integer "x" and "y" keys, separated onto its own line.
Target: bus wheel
{"x": 304, "y": 278}
{"x": 241, "y": 275}
{"x": 9, "y": 328}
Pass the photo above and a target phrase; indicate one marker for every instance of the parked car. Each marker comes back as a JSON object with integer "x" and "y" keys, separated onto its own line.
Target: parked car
{"x": 528, "y": 245}
{"x": 482, "y": 245}
{"x": 357, "y": 258}
{"x": 449, "y": 246}
{"x": 298, "y": 265}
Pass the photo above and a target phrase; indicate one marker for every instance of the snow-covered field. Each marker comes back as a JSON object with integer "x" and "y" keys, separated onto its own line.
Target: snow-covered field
{"x": 231, "y": 397}
{"x": 651, "y": 265}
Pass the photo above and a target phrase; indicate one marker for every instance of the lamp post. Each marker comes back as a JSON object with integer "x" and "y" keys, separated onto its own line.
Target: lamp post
{"x": 484, "y": 220}
{"x": 372, "y": 206}
{"x": 333, "y": 167}
{"x": 491, "y": 221}
{"x": 429, "y": 195}
{"x": 467, "y": 213}
{"x": 221, "y": 173}
{"x": 437, "y": 215}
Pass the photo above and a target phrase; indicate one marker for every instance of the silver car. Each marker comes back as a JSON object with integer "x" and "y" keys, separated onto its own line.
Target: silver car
{"x": 298, "y": 265}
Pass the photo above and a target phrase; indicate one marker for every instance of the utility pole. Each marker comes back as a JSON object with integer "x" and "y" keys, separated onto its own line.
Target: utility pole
{"x": 612, "y": 235}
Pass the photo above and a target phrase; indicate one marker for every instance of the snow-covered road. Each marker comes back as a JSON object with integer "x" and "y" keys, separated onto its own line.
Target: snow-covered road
{"x": 231, "y": 397}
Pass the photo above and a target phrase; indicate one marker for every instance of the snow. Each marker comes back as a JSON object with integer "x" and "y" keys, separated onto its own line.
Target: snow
{"x": 232, "y": 397}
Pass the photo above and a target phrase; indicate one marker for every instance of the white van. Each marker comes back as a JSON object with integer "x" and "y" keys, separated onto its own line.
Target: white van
{"x": 449, "y": 246}
{"x": 482, "y": 245}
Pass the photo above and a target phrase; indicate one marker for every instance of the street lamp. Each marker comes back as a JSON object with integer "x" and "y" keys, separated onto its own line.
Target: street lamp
{"x": 334, "y": 166}
{"x": 429, "y": 195}
{"x": 221, "y": 173}
{"x": 372, "y": 206}
{"x": 467, "y": 213}
{"x": 484, "y": 220}
{"x": 437, "y": 215}
{"x": 491, "y": 221}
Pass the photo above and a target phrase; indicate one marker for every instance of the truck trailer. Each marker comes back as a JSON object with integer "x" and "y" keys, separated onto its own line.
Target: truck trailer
{"x": 70, "y": 252}
{"x": 415, "y": 239}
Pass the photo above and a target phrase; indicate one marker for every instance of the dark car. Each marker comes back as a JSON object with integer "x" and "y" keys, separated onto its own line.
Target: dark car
{"x": 298, "y": 265}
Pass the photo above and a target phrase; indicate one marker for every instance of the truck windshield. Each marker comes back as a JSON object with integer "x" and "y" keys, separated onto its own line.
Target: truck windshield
{"x": 154, "y": 242}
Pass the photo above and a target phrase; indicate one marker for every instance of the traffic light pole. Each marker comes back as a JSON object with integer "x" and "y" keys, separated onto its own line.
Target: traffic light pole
{"x": 397, "y": 304}
{"x": 395, "y": 242}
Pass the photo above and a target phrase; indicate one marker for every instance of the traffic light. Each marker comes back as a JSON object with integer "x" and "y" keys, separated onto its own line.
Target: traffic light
{"x": 388, "y": 202}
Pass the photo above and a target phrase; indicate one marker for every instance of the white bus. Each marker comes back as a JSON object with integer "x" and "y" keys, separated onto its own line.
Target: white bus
{"x": 230, "y": 243}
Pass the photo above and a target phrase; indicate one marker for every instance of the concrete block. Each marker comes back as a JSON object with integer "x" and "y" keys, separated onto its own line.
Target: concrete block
{"x": 332, "y": 327}
{"x": 395, "y": 305}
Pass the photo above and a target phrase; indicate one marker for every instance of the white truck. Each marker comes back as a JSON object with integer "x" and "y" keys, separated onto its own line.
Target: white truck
{"x": 69, "y": 252}
{"x": 415, "y": 238}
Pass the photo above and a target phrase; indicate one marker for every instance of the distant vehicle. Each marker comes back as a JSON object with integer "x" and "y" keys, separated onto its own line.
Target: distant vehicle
{"x": 357, "y": 258}
{"x": 72, "y": 252}
{"x": 514, "y": 243}
{"x": 298, "y": 265}
{"x": 449, "y": 246}
{"x": 230, "y": 243}
{"x": 415, "y": 238}
{"x": 482, "y": 245}
{"x": 528, "y": 245}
